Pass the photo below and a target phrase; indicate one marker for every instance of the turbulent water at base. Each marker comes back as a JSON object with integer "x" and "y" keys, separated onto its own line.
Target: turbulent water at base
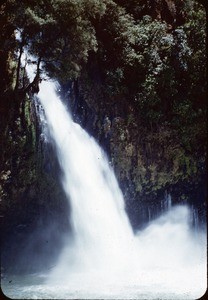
{"x": 103, "y": 258}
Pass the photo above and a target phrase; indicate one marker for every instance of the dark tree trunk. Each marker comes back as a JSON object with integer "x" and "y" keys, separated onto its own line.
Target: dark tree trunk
{"x": 19, "y": 62}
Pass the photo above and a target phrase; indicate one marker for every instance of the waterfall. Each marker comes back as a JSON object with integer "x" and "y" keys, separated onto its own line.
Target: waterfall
{"x": 103, "y": 258}
{"x": 102, "y": 232}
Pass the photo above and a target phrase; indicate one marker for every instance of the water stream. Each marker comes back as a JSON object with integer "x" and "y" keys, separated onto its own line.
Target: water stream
{"x": 104, "y": 258}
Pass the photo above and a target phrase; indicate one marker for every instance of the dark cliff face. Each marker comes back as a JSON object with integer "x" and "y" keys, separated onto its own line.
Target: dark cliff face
{"x": 32, "y": 198}
{"x": 149, "y": 163}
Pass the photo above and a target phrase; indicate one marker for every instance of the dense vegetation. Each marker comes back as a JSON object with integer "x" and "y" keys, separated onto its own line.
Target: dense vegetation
{"x": 137, "y": 72}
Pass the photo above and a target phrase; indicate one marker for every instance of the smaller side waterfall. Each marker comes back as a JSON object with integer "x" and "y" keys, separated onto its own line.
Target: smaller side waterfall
{"x": 167, "y": 202}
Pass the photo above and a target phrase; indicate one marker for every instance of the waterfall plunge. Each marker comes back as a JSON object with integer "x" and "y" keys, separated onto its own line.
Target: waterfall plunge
{"x": 104, "y": 253}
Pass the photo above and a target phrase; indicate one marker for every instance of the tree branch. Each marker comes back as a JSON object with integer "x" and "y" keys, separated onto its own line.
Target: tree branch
{"x": 34, "y": 85}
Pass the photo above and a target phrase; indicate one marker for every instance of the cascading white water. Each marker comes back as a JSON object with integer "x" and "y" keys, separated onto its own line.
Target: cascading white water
{"x": 104, "y": 259}
{"x": 102, "y": 232}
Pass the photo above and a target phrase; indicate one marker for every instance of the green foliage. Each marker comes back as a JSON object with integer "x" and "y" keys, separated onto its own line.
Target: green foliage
{"x": 60, "y": 32}
{"x": 132, "y": 58}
